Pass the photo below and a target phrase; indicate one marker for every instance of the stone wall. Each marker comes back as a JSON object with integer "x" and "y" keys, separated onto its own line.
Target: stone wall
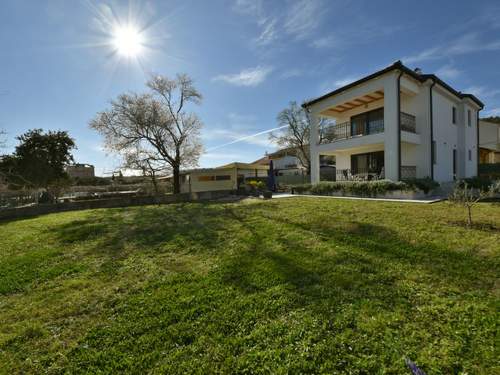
{"x": 42, "y": 209}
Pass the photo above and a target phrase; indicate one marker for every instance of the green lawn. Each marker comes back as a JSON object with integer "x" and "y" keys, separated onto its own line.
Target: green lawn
{"x": 295, "y": 285}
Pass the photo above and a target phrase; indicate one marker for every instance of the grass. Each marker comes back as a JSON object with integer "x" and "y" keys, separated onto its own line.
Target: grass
{"x": 282, "y": 286}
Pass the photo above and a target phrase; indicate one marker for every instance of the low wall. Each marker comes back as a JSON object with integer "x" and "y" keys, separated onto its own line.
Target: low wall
{"x": 42, "y": 209}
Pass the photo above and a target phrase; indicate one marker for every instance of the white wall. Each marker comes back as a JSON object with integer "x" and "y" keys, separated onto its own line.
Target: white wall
{"x": 445, "y": 134}
{"x": 470, "y": 142}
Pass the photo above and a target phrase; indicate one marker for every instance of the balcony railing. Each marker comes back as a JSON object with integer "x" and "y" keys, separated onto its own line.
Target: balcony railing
{"x": 359, "y": 174}
{"x": 346, "y": 130}
{"x": 408, "y": 172}
{"x": 408, "y": 123}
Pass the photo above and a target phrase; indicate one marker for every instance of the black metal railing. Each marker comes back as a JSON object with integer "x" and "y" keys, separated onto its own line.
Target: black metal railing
{"x": 359, "y": 174}
{"x": 408, "y": 172}
{"x": 345, "y": 130}
{"x": 408, "y": 123}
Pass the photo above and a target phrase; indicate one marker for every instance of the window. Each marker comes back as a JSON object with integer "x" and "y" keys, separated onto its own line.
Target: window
{"x": 470, "y": 155}
{"x": 454, "y": 115}
{"x": 223, "y": 178}
{"x": 368, "y": 123}
{"x": 434, "y": 152}
{"x": 206, "y": 178}
{"x": 469, "y": 118}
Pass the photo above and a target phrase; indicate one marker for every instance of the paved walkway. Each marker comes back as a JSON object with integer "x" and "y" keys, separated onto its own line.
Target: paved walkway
{"x": 426, "y": 201}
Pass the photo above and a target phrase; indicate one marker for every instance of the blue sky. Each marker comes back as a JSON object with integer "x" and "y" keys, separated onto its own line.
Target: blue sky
{"x": 248, "y": 59}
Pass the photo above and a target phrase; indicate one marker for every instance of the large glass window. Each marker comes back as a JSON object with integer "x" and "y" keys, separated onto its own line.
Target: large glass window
{"x": 371, "y": 162}
{"x": 368, "y": 122}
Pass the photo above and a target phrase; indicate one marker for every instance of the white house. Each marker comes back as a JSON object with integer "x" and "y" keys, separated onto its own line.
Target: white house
{"x": 396, "y": 123}
{"x": 489, "y": 142}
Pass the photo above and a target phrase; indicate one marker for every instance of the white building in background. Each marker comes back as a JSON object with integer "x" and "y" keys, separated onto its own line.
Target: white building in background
{"x": 397, "y": 123}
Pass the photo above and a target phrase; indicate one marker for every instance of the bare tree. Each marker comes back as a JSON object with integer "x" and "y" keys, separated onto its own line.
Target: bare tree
{"x": 296, "y": 135}
{"x": 3, "y": 141}
{"x": 467, "y": 196}
{"x": 148, "y": 163}
{"x": 156, "y": 123}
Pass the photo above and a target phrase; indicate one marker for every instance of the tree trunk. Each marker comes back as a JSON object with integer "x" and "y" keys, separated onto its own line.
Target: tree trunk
{"x": 177, "y": 180}
{"x": 469, "y": 216}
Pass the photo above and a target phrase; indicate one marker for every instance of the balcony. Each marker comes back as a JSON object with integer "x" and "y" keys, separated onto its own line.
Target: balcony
{"x": 350, "y": 129}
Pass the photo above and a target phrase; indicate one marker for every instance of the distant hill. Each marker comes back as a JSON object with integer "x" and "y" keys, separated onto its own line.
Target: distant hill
{"x": 495, "y": 119}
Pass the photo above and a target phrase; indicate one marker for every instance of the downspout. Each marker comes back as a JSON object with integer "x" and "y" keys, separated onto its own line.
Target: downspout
{"x": 399, "y": 126}
{"x": 477, "y": 141}
{"x": 431, "y": 111}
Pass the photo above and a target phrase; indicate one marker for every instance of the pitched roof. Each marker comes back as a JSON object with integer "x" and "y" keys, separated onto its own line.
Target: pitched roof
{"x": 398, "y": 65}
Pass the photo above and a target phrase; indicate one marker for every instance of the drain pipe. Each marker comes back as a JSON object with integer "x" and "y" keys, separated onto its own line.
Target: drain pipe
{"x": 432, "y": 129}
{"x": 399, "y": 125}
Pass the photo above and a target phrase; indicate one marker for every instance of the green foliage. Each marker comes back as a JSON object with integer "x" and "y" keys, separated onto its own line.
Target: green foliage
{"x": 425, "y": 184}
{"x": 482, "y": 183}
{"x": 296, "y": 285}
{"x": 495, "y": 119}
{"x": 362, "y": 188}
{"x": 92, "y": 181}
{"x": 256, "y": 184}
{"x": 38, "y": 160}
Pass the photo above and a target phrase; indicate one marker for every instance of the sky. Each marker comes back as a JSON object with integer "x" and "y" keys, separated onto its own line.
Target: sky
{"x": 59, "y": 63}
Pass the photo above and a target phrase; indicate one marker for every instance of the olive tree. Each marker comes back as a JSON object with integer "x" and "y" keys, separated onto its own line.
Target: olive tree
{"x": 467, "y": 196}
{"x": 157, "y": 123}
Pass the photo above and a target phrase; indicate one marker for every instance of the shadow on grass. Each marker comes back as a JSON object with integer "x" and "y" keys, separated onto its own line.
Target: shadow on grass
{"x": 270, "y": 268}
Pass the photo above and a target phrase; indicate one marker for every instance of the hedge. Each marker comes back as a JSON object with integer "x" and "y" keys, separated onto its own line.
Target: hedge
{"x": 366, "y": 188}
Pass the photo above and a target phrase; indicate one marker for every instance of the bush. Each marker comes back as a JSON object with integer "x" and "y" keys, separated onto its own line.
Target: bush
{"x": 425, "y": 184}
{"x": 255, "y": 184}
{"x": 481, "y": 183}
{"x": 362, "y": 188}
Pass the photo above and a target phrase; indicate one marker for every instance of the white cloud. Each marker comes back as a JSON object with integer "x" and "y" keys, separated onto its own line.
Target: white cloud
{"x": 291, "y": 73}
{"x": 492, "y": 112}
{"x": 482, "y": 91}
{"x": 448, "y": 72}
{"x": 303, "y": 18}
{"x": 329, "y": 41}
{"x": 467, "y": 43}
{"x": 248, "y": 7}
{"x": 248, "y": 77}
{"x": 268, "y": 34}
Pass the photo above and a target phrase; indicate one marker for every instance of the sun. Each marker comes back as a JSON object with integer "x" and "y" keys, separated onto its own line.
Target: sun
{"x": 128, "y": 41}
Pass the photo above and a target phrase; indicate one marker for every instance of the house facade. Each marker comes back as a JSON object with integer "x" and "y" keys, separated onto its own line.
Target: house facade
{"x": 489, "y": 142}
{"x": 396, "y": 123}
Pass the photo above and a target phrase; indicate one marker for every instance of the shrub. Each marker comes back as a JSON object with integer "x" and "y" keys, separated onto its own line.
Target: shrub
{"x": 362, "y": 188}
{"x": 482, "y": 183}
{"x": 255, "y": 185}
{"x": 425, "y": 184}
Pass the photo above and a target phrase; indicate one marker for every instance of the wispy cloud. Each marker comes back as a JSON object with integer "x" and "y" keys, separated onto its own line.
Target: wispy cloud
{"x": 291, "y": 73}
{"x": 269, "y": 33}
{"x": 259, "y": 139}
{"x": 248, "y": 7}
{"x": 448, "y": 72}
{"x": 492, "y": 112}
{"x": 329, "y": 41}
{"x": 303, "y": 18}
{"x": 482, "y": 91}
{"x": 468, "y": 43}
{"x": 248, "y": 77}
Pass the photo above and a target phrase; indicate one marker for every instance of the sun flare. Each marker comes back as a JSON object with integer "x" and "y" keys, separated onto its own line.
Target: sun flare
{"x": 128, "y": 41}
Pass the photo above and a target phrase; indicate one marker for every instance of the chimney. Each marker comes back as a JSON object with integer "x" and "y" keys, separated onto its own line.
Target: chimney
{"x": 417, "y": 70}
